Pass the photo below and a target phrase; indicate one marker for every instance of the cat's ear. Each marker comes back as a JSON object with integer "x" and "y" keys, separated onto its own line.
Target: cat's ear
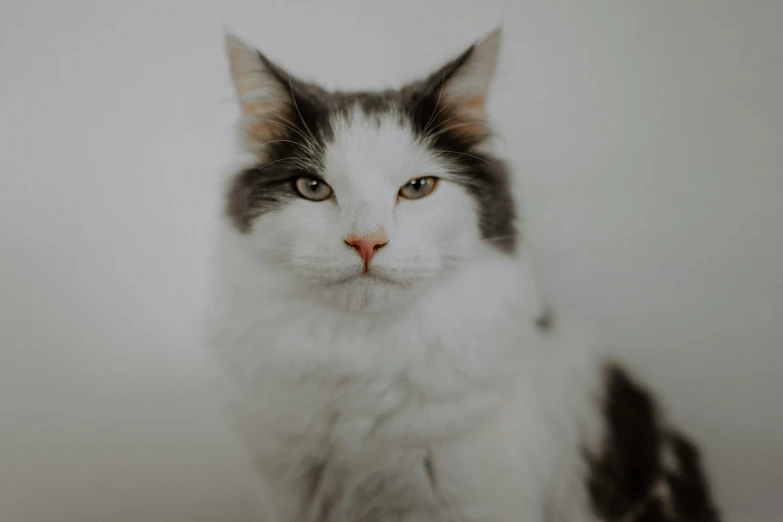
{"x": 462, "y": 84}
{"x": 264, "y": 92}
{"x": 468, "y": 84}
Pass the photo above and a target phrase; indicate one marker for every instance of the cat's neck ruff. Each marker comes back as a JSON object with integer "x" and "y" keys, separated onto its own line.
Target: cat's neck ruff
{"x": 486, "y": 290}
{"x": 275, "y": 330}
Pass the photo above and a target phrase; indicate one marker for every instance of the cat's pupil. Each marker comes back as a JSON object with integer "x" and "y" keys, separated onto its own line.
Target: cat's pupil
{"x": 313, "y": 185}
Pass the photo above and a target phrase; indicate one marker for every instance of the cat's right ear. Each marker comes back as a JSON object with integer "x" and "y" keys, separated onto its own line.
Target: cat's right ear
{"x": 263, "y": 94}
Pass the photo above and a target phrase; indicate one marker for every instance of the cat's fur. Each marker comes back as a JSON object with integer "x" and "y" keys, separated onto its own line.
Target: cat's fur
{"x": 430, "y": 388}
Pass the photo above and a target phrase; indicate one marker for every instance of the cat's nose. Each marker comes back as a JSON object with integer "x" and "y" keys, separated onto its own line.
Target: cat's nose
{"x": 366, "y": 246}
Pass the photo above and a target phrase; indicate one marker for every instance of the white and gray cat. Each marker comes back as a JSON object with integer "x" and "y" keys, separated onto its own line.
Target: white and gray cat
{"x": 378, "y": 319}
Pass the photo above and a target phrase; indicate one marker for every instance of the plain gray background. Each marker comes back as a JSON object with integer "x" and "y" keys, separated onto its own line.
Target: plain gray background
{"x": 648, "y": 139}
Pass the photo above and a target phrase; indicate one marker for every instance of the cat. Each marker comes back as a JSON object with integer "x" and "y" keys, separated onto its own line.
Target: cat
{"x": 391, "y": 354}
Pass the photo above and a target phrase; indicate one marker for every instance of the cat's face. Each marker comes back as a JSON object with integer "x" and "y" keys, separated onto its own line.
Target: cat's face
{"x": 368, "y": 197}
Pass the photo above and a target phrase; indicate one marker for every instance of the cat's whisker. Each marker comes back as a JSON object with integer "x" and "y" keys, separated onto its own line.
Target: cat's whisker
{"x": 307, "y": 144}
{"x": 441, "y": 124}
{"x": 437, "y": 102}
{"x": 435, "y": 117}
{"x": 312, "y": 146}
{"x": 290, "y": 158}
{"x": 296, "y": 105}
{"x": 466, "y": 154}
{"x": 288, "y": 125}
{"x": 286, "y": 141}
{"x": 431, "y": 136}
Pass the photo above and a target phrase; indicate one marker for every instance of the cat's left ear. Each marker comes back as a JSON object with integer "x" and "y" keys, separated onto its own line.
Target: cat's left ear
{"x": 462, "y": 84}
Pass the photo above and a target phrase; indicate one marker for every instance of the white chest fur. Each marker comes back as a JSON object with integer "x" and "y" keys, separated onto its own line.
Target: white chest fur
{"x": 446, "y": 401}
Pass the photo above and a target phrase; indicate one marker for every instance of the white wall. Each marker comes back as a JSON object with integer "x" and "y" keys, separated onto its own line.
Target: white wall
{"x": 649, "y": 142}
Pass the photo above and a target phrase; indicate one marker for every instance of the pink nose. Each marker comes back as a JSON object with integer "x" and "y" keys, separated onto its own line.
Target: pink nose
{"x": 367, "y": 246}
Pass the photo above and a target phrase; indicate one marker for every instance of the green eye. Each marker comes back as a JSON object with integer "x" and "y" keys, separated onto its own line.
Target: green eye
{"x": 313, "y": 189}
{"x": 419, "y": 187}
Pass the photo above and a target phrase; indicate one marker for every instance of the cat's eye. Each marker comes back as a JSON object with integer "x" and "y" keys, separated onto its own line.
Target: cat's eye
{"x": 313, "y": 189}
{"x": 419, "y": 187}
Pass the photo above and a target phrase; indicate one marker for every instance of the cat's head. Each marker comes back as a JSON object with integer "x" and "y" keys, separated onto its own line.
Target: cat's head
{"x": 366, "y": 197}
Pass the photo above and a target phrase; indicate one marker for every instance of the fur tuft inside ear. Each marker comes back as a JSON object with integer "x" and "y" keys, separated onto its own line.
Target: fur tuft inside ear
{"x": 467, "y": 87}
{"x": 263, "y": 97}
{"x": 457, "y": 93}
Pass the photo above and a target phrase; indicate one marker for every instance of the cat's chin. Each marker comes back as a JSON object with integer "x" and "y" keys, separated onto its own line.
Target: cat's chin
{"x": 369, "y": 292}
{"x": 365, "y": 279}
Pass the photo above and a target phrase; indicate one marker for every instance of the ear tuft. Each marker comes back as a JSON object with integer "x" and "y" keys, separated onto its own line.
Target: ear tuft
{"x": 457, "y": 93}
{"x": 262, "y": 96}
{"x": 467, "y": 88}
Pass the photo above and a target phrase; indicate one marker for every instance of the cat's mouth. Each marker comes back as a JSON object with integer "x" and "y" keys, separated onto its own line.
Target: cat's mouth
{"x": 372, "y": 277}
